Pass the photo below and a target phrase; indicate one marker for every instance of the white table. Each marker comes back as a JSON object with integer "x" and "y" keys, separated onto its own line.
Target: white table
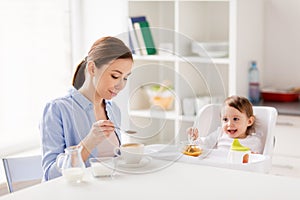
{"x": 176, "y": 181}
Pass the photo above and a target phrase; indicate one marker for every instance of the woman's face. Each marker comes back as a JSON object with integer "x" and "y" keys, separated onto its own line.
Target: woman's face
{"x": 111, "y": 79}
{"x": 235, "y": 123}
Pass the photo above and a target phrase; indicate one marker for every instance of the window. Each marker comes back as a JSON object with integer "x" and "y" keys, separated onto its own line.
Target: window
{"x": 35, "y": 66}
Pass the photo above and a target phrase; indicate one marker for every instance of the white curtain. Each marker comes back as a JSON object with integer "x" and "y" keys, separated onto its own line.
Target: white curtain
{"x": 35, "y": 66}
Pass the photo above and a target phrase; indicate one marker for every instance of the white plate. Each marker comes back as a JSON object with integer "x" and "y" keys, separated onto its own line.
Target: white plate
{"x": 163, "y": 151}
{"x": 145, "y": 160}
{"x": 205, "y": 153}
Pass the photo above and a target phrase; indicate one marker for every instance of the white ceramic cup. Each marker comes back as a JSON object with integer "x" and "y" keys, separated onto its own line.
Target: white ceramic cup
{"x": 189, "y": 106}
{"x": 165, "y": 49}
{"x": 131, "y": 153}
{"x": 238, "y": 157}
{"x": 201, "y": 101}
{"x": 102, "y": 166}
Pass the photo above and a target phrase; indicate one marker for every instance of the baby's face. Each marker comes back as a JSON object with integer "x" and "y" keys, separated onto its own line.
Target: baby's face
{"x": 235, "y": 123}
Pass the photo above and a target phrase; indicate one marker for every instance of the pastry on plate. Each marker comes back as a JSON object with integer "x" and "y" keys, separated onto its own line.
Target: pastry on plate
{"x": 192, "y": 150}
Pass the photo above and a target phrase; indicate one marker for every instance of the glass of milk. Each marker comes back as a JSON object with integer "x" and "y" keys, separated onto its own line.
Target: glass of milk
{"x": 102, "y": 166}
{"x": 70, "y": 164}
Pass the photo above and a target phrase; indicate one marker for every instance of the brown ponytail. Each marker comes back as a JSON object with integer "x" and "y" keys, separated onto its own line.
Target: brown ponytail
{"x": 79, "y": 75}
{"x": 103, "y": 51}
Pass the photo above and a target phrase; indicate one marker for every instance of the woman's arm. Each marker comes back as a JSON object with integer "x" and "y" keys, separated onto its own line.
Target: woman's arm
{"x": 53, "y": 142}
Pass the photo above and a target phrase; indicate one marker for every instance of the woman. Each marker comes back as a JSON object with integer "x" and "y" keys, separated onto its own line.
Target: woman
{"x": 86, "y": 116}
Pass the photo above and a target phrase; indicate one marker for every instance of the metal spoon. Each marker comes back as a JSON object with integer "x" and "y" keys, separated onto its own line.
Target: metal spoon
{"x": 126, "y": 131}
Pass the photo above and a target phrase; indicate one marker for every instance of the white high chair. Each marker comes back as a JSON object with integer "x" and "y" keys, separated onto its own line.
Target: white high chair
{"x": 208, "y": 120}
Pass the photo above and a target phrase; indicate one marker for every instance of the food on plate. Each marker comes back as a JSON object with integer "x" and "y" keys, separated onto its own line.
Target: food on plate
{"x": 192, "y": 150}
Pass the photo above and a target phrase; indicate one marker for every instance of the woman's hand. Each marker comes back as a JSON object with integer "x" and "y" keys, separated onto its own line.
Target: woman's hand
{"x": 193, "y": 133}
{"x": 100, "y": 131}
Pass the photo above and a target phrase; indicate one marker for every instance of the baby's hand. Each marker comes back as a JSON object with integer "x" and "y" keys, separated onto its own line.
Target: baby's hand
{"x": 193, "y": 133}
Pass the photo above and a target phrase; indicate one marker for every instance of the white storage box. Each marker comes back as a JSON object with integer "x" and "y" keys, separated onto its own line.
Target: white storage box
{"x": 210, "y": 49}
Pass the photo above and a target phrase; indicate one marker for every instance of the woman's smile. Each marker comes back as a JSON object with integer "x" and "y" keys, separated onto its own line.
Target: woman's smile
{"x": 113, "y": 93}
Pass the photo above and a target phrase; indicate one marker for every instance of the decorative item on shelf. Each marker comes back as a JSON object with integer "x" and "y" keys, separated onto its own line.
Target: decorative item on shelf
{"x": 161, "y": 95}
{"x": 210, "y": 49}
{"x": 201, "y": 101}
{"x": 280, "y": 95}
{"x": 142, "y": 34}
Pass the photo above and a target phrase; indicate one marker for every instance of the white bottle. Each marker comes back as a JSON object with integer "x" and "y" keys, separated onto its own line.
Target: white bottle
{"x": 254, "y": 91}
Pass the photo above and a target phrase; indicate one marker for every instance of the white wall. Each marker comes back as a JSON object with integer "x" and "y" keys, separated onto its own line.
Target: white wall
{"x": 93, "y": 19}
{"x": 36, "y": 57}
{"x": 247, "y": 35}
{"x": 282, "y": 43}
{"x": 35, "y": 67}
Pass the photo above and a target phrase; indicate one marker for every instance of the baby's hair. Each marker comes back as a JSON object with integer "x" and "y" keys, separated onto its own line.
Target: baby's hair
{"x": 243, "y": 105}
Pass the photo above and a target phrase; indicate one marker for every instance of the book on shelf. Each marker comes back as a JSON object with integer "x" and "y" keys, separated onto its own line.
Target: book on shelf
{"x": 143, "y": 36}
{"x": 133, "y": 42}
{"x": 139, "y": 36}
{"x": 138, "y": 19}
{"x": 147, "y": 37}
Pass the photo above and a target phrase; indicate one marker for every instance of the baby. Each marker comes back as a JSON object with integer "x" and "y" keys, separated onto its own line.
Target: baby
{"x": 237, "y": 121}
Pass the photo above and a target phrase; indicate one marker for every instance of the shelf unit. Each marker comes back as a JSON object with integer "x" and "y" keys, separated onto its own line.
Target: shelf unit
{"x": 180, "y": 22}
{"x": 172, "y": 58}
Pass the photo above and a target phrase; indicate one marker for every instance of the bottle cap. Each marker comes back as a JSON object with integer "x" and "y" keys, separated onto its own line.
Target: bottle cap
{"x": 236, "y": 146}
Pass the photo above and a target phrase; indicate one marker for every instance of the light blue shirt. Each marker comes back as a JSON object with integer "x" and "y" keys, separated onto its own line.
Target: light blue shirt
{"x": 66, "y": 121}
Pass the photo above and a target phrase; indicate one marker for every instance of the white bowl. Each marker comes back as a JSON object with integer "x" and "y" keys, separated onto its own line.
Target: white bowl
{"x": 210, "y": 49}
